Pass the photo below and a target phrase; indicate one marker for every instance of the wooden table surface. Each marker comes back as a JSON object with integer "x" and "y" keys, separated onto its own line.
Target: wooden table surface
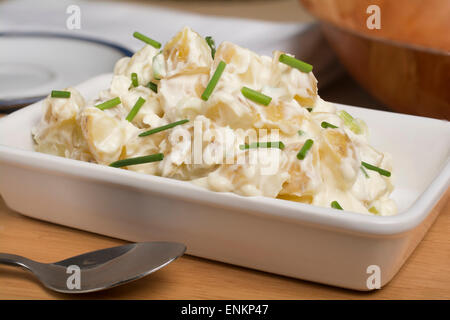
{"x": 426, "y": 274}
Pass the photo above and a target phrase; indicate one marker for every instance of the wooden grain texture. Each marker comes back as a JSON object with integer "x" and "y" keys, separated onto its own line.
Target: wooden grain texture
{"x": 405, "y": 63}
{"x": 419, "y": 22}
{"x": 426, "y": 274}
{"x": 408, "y": 81}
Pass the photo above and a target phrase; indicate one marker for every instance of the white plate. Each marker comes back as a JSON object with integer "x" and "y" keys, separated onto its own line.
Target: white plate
{"x": 283, "y": 237}
{"x": 33, "y": 64}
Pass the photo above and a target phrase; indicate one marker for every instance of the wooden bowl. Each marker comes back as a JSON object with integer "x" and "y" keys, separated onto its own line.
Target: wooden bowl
{"x": 405, "y": 63}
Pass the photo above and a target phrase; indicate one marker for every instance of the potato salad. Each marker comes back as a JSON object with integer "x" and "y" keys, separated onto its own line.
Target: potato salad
{"x": 225, "y": 119}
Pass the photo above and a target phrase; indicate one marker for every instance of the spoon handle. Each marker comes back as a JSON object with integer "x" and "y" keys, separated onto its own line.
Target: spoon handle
{"x": 15, "y": 260}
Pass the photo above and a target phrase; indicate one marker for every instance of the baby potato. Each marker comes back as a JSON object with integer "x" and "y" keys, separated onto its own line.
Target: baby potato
{"x": 180, "y": 96}
{"x": 301, "y": 86}
{"x": 339, "y": 154}
{"x": 244, "y": 67}
{"x": 105, "y": 135}
{"x": 140, "y": 63}
{"x": 304, "y": 175}
{"x": 187, "y": 53}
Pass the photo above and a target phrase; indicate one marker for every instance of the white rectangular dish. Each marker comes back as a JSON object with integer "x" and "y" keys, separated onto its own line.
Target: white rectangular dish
{"x": 288, "y": 238}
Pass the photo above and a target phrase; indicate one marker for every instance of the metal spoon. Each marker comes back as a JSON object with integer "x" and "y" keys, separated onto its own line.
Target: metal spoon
{"x": 102, "y": 269}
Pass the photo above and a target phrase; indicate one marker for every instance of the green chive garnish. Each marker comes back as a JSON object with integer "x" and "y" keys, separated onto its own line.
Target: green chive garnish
{"x": 147, "y": 40}
{"x": 153, "y": 86}
{"x": 254, "y": 145}
{"x": 301, "y": 132}
{"x": 336, "y": 205}
{"x": 162, "y": 128}
{"x": 214, "y": 79}
{"x": 309, "y": 109}
{"x": 295, "y": 63}
{"x": 304, "y": 150}
{"x": 345, "y": 116}
{"x": 325, "y": 125}
{"x": 373, "y": 168}
{"x": 134, "y": 79}
{"x": 365, "y": 172}
{"x": 135, "y": 109}
{"x": 60, "y": 94}
{"x": 109, "y": 104}
{"x": 349, "y": 121}
{"x": 256, "y": 96}
{"x": 137, "y": 160}
{"x": 212, "y": 45}
{"x": 373, "y": 210}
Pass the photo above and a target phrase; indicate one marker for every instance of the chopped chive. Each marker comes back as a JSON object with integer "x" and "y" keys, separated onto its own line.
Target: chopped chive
{"x": 295, "y": 63}
{"x": 365, "y": 172}
{"x": 137, "y": 106}
{"x": 162, "y": 128}
{"x": 109, "y": 104}
{"x": 212, "y": 45}
{"x": 345, "y": 116}
{"x": 134, "y": 79}
{"x": 214, "y": 79}
{"x": 153, "y": 86}
{"x": 336, "y": 205}
{"x": 325, "y": 125}
{"x": 373, "y": 210}
{"x": 256, "y": 96}
{"x": 137, "y": 160}
{"x": 309, "y": 109}
{"x": 158, "y": 66}
{"x": 350, "y": 122}
{"x": 301, "y": 132}
{"x": 254, "y": 145}
{"x": 304, "y": 150}
{"x": 60, "y": 94}
{"x": 373, "y": 168}
{"x": 147, "y": 40}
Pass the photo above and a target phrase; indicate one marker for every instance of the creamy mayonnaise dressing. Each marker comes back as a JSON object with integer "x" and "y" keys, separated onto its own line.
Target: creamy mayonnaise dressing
{"x": 207, "y": 150}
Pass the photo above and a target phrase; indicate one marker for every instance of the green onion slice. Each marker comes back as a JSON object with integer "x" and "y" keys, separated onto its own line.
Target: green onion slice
{"x": 212, "y": 45}
{"x": 373, "y": 210}
{"x": 373, "y": 168}
{"x": 153, "y": 86}
{"x": 109, "y": 104}
{"x": 214, "y": 79}
{"x": 345, "y": 116}
{"x": 137, "y": 106}
{"x": 256, "y": 96}
{"x": 295, "y": 63}
{"x": 134, "y": 79}
{"x": 147, "y": 40}
{"x": 162, "y": 128}
{"x": 352, "y": 123}
{"x": 325, "y": 125}
{"x": 304, "y": 150}
{"x": 301, "y": 132}
{"x": 365, "y": 172}
{"x": 137, "y": 160}
{"x": 158, "y": 66}
{"x": 254, "y": 145}
{"x": 336, "y": 205}
{"x": 60, "y": 94}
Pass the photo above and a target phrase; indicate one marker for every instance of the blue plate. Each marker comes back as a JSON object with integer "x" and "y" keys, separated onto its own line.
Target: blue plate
{"x": 34, "y": 63}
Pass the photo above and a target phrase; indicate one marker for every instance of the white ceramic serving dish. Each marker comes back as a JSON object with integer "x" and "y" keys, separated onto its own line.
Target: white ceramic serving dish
{"x": 283, "y": 237}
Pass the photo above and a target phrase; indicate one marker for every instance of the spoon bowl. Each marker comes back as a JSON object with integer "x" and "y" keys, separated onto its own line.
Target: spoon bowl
{"x": 101, "y": 269}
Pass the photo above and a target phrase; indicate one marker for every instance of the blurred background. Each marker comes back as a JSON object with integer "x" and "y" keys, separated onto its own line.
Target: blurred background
{"x": 402, "y": 66}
